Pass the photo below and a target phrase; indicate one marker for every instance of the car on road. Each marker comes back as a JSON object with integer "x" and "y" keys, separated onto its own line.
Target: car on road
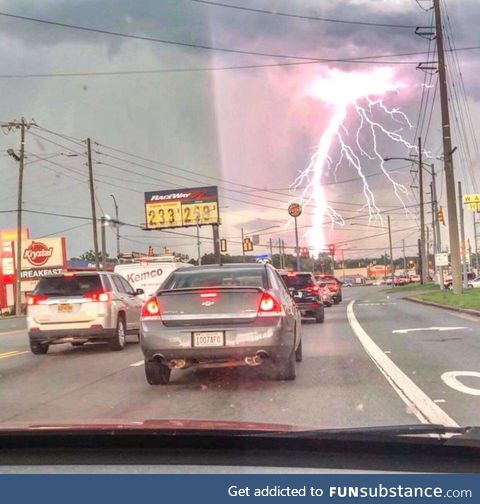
{"x": 221, "y": 316}
{"x": 82, "y": 307}
{"x": 149, "y": 273}
{"x": 474, "y": 284}
{"x": 448, "y": 282}
{"x": 306, "y": 293}
{"x": 326, "y": 295}
{"x": 333, "y": 284}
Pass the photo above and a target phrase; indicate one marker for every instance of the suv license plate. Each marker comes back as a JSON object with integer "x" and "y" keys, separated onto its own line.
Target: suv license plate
{"x": 208, "y": 339}
{"x": 65, "y": 307}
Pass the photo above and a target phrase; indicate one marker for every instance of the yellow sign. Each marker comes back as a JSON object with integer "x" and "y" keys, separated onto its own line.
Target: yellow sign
{"x": 474, "y": 207}
{"x": 199, "y": 213}
{"x": 471, "y": 198}
{"x": 164, "y": 214}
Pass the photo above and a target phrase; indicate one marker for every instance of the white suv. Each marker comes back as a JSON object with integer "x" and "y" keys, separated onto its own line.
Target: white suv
{"x": 80, "y": 307}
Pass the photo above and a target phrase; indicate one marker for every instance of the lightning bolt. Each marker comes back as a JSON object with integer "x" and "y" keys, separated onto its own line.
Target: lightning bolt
{"x": 359, "y": 98}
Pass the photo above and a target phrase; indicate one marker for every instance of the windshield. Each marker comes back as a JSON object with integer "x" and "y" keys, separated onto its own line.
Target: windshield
{"x": 221, "y": 277}
{"x": 240, "y": 211}
{"x": 77, "y": 285}
{"x": 298, "y": 281}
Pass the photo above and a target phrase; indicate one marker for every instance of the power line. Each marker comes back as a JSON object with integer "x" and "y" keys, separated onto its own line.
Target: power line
{"x": 208, "y": 47}
{"x": 299, "y": 16}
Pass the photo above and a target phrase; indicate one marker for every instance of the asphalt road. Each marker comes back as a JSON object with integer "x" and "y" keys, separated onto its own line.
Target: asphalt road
{"x": 364, "y": 366}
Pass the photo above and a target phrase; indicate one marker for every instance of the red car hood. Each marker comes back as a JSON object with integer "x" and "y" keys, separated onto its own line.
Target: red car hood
{"x": 154, "y": 425}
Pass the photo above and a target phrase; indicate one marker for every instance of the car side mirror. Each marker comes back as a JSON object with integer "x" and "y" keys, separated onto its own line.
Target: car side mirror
{"x": 139, "y": 292}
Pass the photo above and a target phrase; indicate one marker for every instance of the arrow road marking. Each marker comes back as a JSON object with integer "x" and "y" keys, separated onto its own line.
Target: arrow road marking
{"x": 412, "y": 395}
{"x": 415, "y": 329}
{"x": 450, "y": 379}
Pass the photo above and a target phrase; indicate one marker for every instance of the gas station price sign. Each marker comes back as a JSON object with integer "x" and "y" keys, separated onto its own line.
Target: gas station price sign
{"x": 181, "y": 207}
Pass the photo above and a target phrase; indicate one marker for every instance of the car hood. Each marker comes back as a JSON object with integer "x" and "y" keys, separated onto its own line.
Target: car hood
{"x": 154, "y": 424}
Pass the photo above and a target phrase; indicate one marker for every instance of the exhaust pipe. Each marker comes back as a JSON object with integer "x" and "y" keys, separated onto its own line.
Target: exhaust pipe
{"x": 254, "y": 360}
{"x": 178, "y": 364}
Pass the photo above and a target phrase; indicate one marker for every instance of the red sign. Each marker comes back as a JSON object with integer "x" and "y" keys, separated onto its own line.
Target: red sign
{"x": 37, "y": 253}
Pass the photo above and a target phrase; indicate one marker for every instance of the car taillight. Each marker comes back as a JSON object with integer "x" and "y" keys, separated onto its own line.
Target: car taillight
{"x": 314, "y": 289}
{"x": 269, "y": 306}
{"x": 151, "y": 308}
{"x": 35, "y": 299}
{"x": 100, "y": 296}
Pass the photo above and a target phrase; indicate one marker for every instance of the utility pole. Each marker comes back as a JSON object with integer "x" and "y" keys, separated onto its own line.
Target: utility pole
{"x": 438, "y": 235}
{"x": 462, "y": 235}
{"x": 117, "y": 225}
{"x": 297, "y": 248}
{"x": 216, "y": 244}
{"x": 243, "y": 246}
{"x": 18, "y": 269}
{"x": 420, "y": 266}
{"x": 199, "y": 257}
{"x": 434, "y": 233}
{"x": 447, "y": 156}
{"x": 103, "y": 226}
{"x": 423, "y": 274}
{"x": 92, "y": 202}
{"x": 475, "y": 246}
{"x": 391, "y": 251}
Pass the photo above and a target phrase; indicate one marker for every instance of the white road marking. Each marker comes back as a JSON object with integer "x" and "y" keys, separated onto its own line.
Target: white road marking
{"x": 415, "y": 329}
{"x": 387, "y": 351}
{"x": 417, "y": 401}
{"x": 136, "y": 364}
{"x": 374, "y": 304}
{"x": 15, "y": 331}
{"x": 439, "y": 400}
{"x": 450, "y": 379}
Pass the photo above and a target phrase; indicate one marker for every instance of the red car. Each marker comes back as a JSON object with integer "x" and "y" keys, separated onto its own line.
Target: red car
{"x": 333, "y": 284}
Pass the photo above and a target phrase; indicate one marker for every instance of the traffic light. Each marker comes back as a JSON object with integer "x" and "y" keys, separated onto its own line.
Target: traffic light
{"x": 305, "y": 252}
{"x": 150, "y": 251}
{"x": 440, "y": 216}
{"x": 223, "y": 245}
{"x": 331, "y": 249}
{"x": 247, "y": 245}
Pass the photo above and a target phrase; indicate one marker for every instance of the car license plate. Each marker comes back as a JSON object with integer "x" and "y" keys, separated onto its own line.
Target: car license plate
{"x": 299, "y": 294}
{"x": 208, "y": 339}
{"x": 65, "y": 307}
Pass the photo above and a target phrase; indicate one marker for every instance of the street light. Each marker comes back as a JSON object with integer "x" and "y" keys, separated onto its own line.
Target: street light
{"x": 117, "y": 224}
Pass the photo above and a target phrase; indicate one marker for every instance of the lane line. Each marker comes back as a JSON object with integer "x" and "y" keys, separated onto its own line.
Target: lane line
{"x": 417, "y": 329}
{"x": 139, "y": 363}
{"x": 12, "y": 354}
{"x": 15, "y": 331}
{"x": 418, "y": 402}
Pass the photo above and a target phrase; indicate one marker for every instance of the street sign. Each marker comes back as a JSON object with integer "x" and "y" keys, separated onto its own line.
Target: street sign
{"x": 441, "y": 259}
{"x": 256, "y": 239}
{"x": 471, "y": 198}
{"x": 474, "y": 207}
{"x": 294, "y": 210}
{"x": 181, "y": 207}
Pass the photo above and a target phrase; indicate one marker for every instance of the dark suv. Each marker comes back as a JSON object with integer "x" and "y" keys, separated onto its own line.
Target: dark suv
{"x": 333, "y": 285}
{"x": 306, "y": 294}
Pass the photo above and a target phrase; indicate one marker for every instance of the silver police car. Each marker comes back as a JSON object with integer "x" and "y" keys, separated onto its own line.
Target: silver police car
{"x": 221, "y": 316}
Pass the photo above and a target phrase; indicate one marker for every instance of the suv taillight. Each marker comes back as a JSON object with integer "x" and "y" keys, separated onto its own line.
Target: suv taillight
{"x": 314, "y": 289}
{"x": 151, "y": 308}
{"x": 35, "y": 299}
{"x": 101, "y": 296}
{"x": 269, "y": 306}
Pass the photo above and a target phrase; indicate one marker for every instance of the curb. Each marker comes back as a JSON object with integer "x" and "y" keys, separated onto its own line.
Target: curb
{"x": 445, "y": 307}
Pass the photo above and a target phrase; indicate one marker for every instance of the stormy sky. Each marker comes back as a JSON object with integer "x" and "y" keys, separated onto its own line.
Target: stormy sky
{"x": 248, "y": 130}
